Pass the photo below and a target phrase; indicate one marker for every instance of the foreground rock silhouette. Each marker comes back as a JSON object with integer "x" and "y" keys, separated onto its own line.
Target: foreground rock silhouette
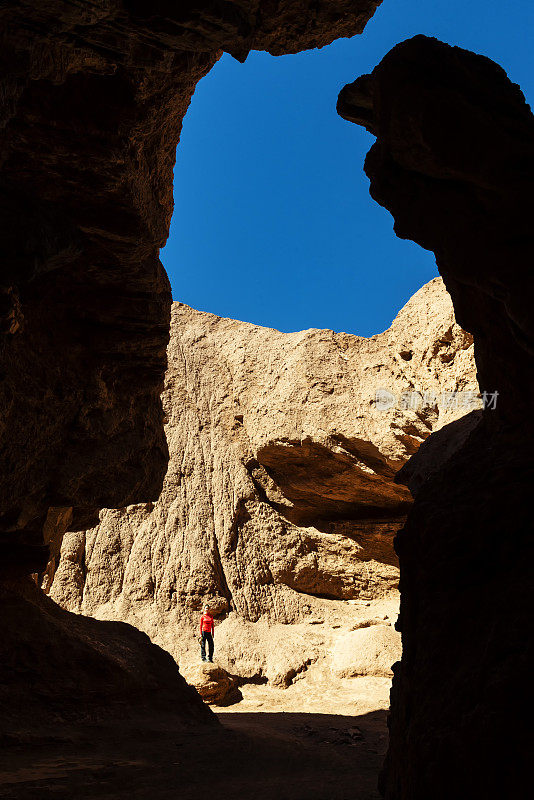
{"x": 92, "y": 101}
{"x": 56, "y": 667}
{"x": 454, "y": 163}
{"x": 91, "y": 104}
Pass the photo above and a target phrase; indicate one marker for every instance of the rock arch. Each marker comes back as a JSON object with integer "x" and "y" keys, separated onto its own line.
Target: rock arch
{"x": 93, "y": 97}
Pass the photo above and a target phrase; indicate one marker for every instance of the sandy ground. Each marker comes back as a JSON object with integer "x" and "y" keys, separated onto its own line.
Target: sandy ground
{"x": 322, "y": 738}
{"x": 346, "y": 697}
{"x": 253, "y": 753}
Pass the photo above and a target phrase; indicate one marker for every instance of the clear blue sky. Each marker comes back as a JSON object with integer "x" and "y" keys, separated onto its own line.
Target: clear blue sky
{"x": 273, "y": 221}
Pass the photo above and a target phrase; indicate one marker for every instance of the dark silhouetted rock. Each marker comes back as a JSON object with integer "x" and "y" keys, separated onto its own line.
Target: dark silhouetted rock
{"x": 454, "y": 163}
{"x": 92, "y": 101}
{"x": 93, "y": 98}
{"x": 57, "y": 667}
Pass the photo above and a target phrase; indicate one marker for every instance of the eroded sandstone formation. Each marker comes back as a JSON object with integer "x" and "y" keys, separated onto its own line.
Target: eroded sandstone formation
{"x": 454, "y": 163}
{"x": 92, "y": 100}
{"x": 281, "y": 494}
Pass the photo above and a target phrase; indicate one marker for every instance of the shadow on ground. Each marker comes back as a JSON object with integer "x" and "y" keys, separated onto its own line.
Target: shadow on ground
{"x": 262, "y": 756}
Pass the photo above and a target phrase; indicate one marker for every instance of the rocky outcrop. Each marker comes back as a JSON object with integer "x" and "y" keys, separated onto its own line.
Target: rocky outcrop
{"x": 281, "y": 494}
{"x": 214, "y": 684}
{"x": 92, "y": 100}
{"x": 56, "y": 667}
{"x": 453, "y": 162}
{"x": 93, "y": 96}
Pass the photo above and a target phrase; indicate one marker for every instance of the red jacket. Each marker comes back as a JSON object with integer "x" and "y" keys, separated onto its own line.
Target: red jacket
{"x": 207, "y": 624}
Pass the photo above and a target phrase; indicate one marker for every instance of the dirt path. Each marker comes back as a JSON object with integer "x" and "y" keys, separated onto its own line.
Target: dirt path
{"x": 261, "y": 756}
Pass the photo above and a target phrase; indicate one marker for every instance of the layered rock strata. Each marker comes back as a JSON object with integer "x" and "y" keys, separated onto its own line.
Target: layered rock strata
{"x": 280, "y": 496}
{"x": 454, "y": 163}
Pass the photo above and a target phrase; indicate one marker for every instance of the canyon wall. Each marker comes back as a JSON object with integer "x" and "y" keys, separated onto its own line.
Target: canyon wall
{"x": 92, "y": 101}
{"x": 280, "y": 496}
{"x": 454, "y": 163}
{"x": 92, "y": 97}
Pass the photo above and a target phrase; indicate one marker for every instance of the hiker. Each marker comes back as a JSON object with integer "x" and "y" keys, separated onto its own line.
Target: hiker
{"x": 207, "y": 629}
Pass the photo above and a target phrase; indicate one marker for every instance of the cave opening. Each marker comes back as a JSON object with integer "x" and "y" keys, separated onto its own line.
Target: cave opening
{"x": 275, "y": 444}
{"x": 272, "y": 222}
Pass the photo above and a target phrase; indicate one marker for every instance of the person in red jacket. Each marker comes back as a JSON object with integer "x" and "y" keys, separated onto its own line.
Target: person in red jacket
{"x": 207, "y": 630}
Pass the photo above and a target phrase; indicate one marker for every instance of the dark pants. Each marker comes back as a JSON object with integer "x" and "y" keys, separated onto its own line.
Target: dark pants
{"x": 206, "y": 637}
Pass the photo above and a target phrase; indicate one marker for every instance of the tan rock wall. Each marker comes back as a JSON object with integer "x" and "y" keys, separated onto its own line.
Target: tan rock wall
{"x": 280, "y": 494}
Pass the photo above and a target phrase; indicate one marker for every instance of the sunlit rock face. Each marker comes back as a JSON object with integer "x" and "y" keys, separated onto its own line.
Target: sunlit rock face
{"x": 454, "y": 163}
{"x": 281, "y": 493}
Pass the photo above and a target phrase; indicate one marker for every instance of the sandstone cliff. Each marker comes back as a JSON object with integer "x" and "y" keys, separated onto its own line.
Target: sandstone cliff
{"x": 92, "y": 98}
{"x": 280, "y": 496}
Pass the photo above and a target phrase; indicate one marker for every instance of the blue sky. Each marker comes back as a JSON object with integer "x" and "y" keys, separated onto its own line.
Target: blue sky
{"x": 273, "y": 221}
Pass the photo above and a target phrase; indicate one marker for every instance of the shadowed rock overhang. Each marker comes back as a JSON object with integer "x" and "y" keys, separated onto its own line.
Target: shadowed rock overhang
{"x": 453, "y": 162}
{"x": 93, "y": 97}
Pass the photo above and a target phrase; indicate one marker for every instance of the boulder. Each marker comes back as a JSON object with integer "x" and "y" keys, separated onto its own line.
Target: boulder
{"x": 213, "y": 683}
{"x": 367, "y": 651}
